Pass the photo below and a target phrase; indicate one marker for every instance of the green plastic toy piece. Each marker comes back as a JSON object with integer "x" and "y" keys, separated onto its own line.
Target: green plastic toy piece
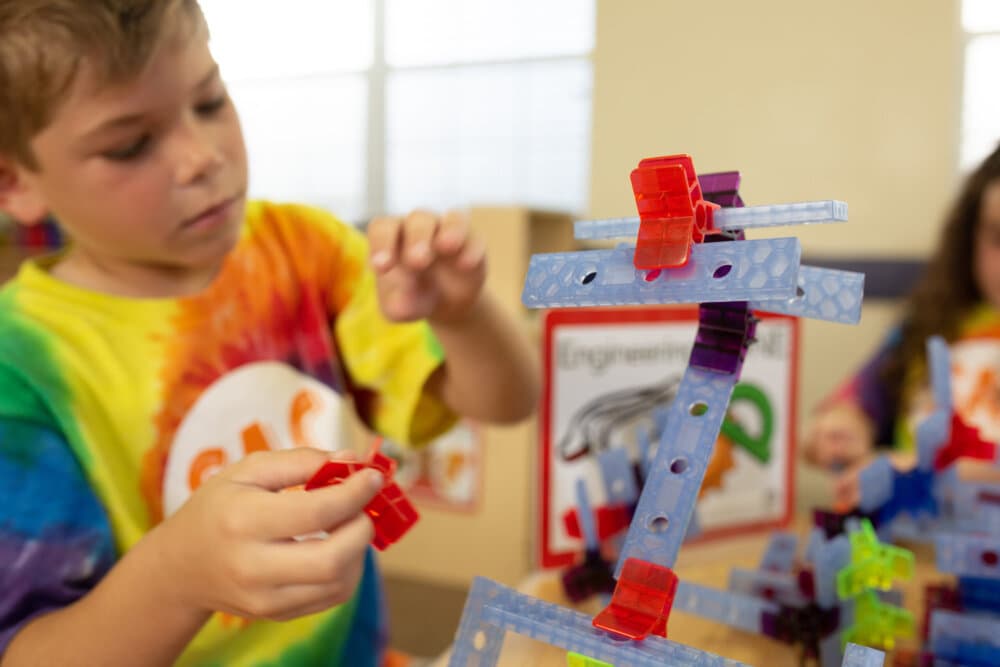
{"x": 577, "y": 660}
{"x": 757, "y": 446}
{"x": 873, "y": 564}
{"x": 877, "y": 624}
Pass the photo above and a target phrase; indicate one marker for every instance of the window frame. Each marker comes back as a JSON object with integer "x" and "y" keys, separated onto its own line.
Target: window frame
{"x": 968, "y": 37}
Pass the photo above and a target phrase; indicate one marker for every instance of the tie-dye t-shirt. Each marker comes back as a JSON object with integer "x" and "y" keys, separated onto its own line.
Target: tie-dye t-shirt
{"x": 975, "y": 376}
{"x": 113, "y": 410}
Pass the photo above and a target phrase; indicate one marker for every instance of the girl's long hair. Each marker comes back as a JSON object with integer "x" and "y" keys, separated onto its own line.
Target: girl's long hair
{"x": 947, "y": 291}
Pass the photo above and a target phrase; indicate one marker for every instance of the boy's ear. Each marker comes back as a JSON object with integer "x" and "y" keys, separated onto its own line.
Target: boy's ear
{"x": 19, "y": 197}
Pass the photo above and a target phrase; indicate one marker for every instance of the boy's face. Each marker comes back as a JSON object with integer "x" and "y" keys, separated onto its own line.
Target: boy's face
{"x": 986, "y": 260}
{"x": 148, "y": 177}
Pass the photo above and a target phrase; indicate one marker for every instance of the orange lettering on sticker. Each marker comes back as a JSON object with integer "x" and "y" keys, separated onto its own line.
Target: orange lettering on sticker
{"x": 256, "y": 438}
{"x": 206, "y": 464}
{"x": 303, "y": 404}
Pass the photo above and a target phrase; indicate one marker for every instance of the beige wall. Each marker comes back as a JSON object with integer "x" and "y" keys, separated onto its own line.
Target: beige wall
{"x": 851, "y": 100}
{"x": 863, "y": 108}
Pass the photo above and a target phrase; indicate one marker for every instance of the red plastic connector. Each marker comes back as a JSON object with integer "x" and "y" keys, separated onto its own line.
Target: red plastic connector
{"x": 672, "y": 211}
{"x": 641, "y": 602}
{"x": 965, "y": 443}
{"x": 390, "y": 510}
{"x": 610, "y": 519}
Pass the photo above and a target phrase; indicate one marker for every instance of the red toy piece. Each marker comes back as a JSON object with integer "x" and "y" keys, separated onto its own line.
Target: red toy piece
{"x": 965, "y": 443}
{"x": 641, "y": 602}
{"x": 390, "y": 510}
{"x": 672, "y": 212}
{"x": 611, "y": 520}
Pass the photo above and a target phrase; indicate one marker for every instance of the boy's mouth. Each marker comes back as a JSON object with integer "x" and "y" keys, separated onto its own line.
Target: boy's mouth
{"x": 212, "y": 216}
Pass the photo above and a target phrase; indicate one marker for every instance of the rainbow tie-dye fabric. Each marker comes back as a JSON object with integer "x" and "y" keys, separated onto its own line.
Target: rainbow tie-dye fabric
{"x": 975, "y": 377}
{"x": 114, "y": 410}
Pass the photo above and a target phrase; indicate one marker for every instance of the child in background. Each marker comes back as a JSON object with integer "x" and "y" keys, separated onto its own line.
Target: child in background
{"x": 958, "y": 298}
{"x": 164, "y": 379}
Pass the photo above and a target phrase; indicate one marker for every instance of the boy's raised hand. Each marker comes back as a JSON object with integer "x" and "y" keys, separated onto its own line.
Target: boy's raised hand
{"x": 426, "y": 267}
{"x": 232, "y": 546}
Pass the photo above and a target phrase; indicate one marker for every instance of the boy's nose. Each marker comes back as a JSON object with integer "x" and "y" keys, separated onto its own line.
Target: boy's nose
{"x": 197, "y": 156}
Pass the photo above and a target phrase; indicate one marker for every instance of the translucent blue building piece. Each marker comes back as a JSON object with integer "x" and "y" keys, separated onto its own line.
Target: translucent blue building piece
{"x": 779, "y": 215}
{"x": 606, "y": 228}
{"x": 733, "y": 609}
{"x": 965, "y": 638}
{"x": 828, "y": 557}
{"x": 862, "y": 656}
{"x": 728, "y": 219}
{"x": 780, "y": 553}
{"x": 831, "y": 651}
{"x": 782, "y": 587}
{"x": 585, "y": 512}
{"x": 822, "y": 294}
{"x": 671, "y": 488}
{"x": 643, "y": 440}
{"x": 716, "y": 272}
{"x": 977, "y": 507}
{"x": 979, "y": 595}
{"x": 492, "y": 610}
{"x": 968, "y": 555}
{"x": 939, "y": 363}
{"x": 618, "y": 476}
{"x": 875, "y": 483}
{"x": 934, "y": 431}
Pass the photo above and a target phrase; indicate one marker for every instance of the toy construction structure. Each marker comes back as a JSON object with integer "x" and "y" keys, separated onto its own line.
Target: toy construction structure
{"x": 688, "y": 249}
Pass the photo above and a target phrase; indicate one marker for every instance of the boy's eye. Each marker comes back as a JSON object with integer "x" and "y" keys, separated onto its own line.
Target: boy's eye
{"x": 130, "y": 151}
{"x": 212, "y": 106}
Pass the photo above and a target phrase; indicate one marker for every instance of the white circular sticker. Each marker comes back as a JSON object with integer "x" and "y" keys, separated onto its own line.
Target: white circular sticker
{"x": 260, "y": 406}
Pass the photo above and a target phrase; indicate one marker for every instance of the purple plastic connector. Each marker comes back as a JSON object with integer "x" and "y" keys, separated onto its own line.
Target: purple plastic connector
{"x": 721, "y": 188}
{"x": 725, "y": 332}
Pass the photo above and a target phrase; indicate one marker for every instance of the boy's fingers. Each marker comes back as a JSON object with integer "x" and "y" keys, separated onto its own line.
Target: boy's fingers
{"x": 419, "y": 230}
{"x": 384, "y": 238}
{"x": 284, "y": 515}
{"x": 277, "y": 470}
{"x": 473, "y": 255}
{"x": 298, "y": 601}
{"x": 453, "y": 233}
{"x": 320, "y": 560}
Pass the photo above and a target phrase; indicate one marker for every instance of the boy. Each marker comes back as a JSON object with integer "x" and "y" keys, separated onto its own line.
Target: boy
{"x": 165, "y": 378}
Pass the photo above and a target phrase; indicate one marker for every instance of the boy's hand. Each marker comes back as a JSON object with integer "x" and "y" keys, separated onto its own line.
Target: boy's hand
{"x": 426, "y": 267}
{"x": 232, "y": 546}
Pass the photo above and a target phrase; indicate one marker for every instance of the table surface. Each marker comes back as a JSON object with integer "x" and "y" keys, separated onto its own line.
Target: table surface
{"x": 707, "y": 564}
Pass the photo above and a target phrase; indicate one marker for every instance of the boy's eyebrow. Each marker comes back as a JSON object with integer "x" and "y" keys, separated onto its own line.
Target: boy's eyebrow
{"x": 131, "y": 119}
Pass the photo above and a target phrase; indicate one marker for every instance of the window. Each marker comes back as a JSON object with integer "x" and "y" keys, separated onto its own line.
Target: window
{"x": 372, "y": 106}
{"x": 981, "y": 97}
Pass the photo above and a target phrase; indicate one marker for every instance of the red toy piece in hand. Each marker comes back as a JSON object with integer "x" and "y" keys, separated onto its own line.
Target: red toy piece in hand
{"x": 390, "y": 510}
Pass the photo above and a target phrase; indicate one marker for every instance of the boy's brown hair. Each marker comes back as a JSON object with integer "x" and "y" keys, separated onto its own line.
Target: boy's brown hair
{"x": 43, "y": 42}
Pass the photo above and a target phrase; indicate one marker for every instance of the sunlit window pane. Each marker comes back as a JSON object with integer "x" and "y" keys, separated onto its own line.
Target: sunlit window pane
{"x": 306, "y": 140}
{"x": 981, "y": 103}
{"x": 254, "y": 39}
{"x": 981, "y": 15}
{"x": 501, "y": 134}
{"x": 455, "y": 31}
